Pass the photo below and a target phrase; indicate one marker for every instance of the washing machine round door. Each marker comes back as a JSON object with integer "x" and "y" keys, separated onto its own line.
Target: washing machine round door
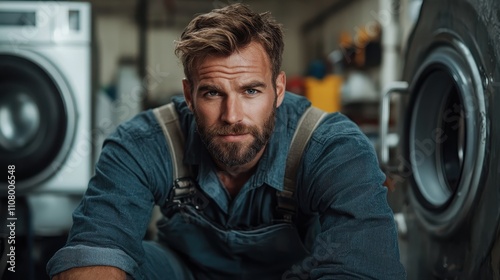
{"x": 451, "y": 140}
{"x": 37, "y": 118}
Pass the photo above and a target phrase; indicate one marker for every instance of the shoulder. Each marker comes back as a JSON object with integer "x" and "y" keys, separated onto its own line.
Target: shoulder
{"x": 137, "y": 152}
{"x": 339, "y": 159}
{"x": 335, "y": 127}
{"x": 141, "y": 138}
{"x": 293, "y": 106}
{"x": 143, "y": 125}
{"x": 288, "y": 115}
{"x": 337, "y": 140}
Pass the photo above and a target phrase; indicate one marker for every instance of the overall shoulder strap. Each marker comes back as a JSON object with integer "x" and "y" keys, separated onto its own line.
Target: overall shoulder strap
{"x": 167, "y": 116}
{"x": 305, "y": 128}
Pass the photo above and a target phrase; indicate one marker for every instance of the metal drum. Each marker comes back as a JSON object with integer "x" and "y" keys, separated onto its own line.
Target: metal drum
{"x": 450, "y": 140}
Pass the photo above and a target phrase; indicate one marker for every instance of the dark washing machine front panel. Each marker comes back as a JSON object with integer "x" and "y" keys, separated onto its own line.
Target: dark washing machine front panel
{"x": 451, "y": 141}
{"x": 445, "y": 137}
{"x": 36, "y": 120}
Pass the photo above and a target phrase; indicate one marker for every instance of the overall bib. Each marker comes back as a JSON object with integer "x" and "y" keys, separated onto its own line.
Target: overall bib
{"x": 215, "y": 252}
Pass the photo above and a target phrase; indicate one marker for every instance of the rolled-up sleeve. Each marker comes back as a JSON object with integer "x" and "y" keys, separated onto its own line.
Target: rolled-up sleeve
{"x": 81, "y": 255}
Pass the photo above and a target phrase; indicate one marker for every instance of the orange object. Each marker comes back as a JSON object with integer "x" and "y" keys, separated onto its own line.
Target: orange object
{"x": 324, "y": 93}
{"x": 295, "y": 85}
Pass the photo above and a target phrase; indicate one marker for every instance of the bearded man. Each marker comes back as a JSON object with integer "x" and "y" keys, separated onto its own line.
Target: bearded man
{"x": 232, "y": 217}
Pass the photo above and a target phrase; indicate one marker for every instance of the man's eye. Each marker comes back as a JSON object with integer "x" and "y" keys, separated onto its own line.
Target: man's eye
{"x": 211, "y": 93}
{"x": 251, "y": 91}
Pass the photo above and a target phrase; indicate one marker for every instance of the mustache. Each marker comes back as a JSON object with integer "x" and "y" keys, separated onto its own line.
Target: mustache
{"x": 233, "y": 129}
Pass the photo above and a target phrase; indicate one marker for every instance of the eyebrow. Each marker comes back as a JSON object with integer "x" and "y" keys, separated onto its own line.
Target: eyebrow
{"x": 253, "y": 84}
{"x": 207, "y": 87}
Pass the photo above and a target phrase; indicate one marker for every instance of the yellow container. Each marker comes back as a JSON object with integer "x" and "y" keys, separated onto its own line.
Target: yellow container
{"x": 325, "y": 93}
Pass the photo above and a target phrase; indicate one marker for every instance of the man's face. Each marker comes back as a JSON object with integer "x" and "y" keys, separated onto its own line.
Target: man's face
{"x": 234, "y": 102}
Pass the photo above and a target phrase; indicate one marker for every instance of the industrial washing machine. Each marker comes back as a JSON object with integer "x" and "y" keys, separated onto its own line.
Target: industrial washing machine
{"x": 448, "y": 160}
{"x": 45, "y": 125}
{"x": 45, "y": 95}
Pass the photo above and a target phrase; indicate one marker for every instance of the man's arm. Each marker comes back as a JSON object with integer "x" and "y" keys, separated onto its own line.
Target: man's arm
{"x": 92, "y": 273}
{"x": 342, "y": 182}
{"x": 111, "y": 221}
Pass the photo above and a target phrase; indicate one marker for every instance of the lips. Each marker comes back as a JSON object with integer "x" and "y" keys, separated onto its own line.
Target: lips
{"x": 233, "y": 134}
{"x": 233, "y": 137}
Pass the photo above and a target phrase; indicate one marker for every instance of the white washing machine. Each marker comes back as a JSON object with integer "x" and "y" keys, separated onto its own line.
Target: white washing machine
{"x": 45, "y": 108}
{"x": 45, "y": 96}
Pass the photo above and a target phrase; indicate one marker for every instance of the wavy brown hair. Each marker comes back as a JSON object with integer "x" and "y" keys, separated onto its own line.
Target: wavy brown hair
{"x": 224, "y": 31}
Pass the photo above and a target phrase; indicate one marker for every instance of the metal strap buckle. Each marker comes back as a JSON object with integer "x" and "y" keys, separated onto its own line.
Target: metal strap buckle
{"x": 286, "y": 206}
{"x": 186, "y": 192}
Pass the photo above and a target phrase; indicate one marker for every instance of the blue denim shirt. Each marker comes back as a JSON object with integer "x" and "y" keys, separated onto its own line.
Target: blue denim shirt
{"x": 338, "y": 179}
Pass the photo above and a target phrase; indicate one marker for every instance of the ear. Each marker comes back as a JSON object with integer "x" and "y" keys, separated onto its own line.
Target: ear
{"x": 186, "y": 87}
{"x": 280, "y": 88}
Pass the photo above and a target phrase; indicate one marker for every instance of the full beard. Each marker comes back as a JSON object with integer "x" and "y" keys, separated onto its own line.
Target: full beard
{"x": 232, "y": 154}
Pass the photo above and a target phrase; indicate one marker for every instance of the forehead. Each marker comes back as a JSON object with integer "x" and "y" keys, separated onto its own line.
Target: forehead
{"x": 250, "y": 59}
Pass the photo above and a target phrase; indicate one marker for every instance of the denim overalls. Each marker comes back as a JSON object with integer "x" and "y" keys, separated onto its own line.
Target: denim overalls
{"x": 216, "y": 252}
{"x": 220, "y": 253}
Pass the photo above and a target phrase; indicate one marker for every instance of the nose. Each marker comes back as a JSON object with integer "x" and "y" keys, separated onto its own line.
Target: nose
{"x": 232, "y": 110}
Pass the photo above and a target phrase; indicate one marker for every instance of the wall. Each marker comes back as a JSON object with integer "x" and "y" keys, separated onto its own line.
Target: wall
{"x": 117, "y": 36}
{"x": 367, "y": 14}
{"x": 359, "y": 14}
{"x": 162, "y": 65}
{"x": 292, "y": 14}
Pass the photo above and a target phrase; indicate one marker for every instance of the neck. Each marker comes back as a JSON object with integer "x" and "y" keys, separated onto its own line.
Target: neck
{"x": 233, "y": 178}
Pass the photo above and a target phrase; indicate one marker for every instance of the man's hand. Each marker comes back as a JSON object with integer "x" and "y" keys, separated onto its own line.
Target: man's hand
{"x": 92, "y": 273}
